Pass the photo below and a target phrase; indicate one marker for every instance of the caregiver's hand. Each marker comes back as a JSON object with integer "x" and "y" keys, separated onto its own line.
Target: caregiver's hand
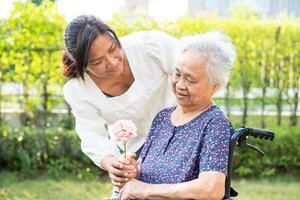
{"x": 134, "y": 171}
{"x": 119, "y": 172}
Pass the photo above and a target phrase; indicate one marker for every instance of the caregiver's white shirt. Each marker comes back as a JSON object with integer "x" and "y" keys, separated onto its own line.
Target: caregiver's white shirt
{"x": 151, "y": 56}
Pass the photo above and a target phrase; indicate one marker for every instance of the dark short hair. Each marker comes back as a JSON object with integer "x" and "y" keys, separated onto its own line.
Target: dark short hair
{"x": 78, "y": 37}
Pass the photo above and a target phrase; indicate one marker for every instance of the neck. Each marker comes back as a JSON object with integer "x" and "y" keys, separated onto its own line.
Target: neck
{"x": 126, "y": 67}
{"x": 195, "y": 109}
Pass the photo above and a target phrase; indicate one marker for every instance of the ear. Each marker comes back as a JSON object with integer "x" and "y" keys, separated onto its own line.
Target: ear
{"x": 215, "y": 89}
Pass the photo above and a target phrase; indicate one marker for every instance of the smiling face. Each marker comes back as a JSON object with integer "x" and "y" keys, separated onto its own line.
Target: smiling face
{"x": 190, "y": 83}
{"x": 106, "y": 57}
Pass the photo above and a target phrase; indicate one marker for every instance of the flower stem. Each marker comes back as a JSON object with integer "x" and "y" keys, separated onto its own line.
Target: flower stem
{"x": 125, "y": 147}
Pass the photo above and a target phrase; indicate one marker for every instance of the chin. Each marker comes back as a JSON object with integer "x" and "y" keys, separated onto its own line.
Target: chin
{"x": 119, "y": 71}
{"x": 182, "y": 102}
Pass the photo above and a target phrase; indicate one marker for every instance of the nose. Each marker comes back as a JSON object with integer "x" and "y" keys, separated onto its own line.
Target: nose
{"x": 111, "y": 61}
{"x": 180, "y": 85}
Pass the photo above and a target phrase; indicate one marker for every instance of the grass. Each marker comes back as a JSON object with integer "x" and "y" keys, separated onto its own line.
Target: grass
{"x": 282, "y": 188}
{"x": 12, "y": 187}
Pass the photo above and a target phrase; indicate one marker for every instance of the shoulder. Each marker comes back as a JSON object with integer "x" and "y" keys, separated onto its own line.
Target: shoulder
{"x": 145, "y": 35}
{"x": 161, "y": 39}
{"x": 156, "y": 34}
{"x": 69, "y": 88}
{"x": 164, "y": 112}
{"x": 75, "y": 95}
{"x": 216, "y": 113}
{"x": 160, "y": 121}
{"x": 72, "y": 90}
{"x": 147, "y": 39}
{"x": 216, "y": 118}
{"x": 162, "y": 116}
{"x": 77, "y": 87}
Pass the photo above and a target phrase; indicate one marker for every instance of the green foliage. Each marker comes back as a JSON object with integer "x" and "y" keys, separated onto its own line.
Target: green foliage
{"x": 29, "y": 150}
{"x": 57, "y": 151}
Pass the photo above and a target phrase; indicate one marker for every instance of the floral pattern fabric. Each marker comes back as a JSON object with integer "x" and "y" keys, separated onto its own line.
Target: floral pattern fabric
{"x": 174, "y": 154}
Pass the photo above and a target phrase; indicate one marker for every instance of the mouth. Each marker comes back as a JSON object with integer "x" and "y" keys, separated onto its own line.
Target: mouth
{"x": 181, "y": 95}
{"x": 114, "y": 69}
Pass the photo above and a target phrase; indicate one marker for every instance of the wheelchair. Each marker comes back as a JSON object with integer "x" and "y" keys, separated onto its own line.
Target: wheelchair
{"x": 239, "y": 139}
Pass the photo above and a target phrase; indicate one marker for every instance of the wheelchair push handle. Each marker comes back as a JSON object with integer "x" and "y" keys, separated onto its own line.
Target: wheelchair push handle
{"x": 244, "y": 132}
{"x": 260, "y": 133}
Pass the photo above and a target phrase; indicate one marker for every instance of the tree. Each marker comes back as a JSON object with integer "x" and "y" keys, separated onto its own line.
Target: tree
{"x": 264, "y": 62}
{"x": 294, "y": 80}
{"x": 281, "y": 67}
{"x": 246, "y": 65}
{"x": 35, "y": 40}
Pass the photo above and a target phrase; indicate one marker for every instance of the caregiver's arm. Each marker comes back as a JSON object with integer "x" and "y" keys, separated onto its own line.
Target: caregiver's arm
{"x": 90, "y": 127}
{"x": 210, "y": 185}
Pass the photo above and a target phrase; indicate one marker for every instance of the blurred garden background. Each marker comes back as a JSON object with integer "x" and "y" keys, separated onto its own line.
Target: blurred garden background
{"x": 40, "y": 156}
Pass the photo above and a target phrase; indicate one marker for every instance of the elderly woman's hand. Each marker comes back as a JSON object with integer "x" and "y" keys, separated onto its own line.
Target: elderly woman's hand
{"x": 134, "y": 189}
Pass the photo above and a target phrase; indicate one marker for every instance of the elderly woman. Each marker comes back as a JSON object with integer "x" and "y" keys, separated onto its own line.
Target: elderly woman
{"x": 185, "y": 155}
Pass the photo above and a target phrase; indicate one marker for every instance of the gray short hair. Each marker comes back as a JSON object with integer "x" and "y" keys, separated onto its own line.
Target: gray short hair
{"x": 219, "y": 50}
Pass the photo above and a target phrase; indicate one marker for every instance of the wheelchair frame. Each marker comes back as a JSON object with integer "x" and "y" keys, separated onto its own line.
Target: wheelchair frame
{"x": 239, "y": 139}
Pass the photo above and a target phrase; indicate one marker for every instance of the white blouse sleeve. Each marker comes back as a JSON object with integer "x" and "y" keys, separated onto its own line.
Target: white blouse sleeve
{"x": 90, "y": 127}
{"x": 163, "y": 48}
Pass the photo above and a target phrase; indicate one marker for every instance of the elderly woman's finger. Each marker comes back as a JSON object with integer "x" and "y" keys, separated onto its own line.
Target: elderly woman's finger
{"x": 123, "y": 194}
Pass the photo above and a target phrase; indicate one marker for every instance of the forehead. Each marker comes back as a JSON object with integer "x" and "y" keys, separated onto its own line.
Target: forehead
{"x": 192, "y": 62}
{"x": 100, "y": 45}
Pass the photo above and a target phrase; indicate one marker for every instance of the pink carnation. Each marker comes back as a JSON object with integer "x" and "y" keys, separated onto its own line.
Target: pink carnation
{"x": 123, "y": 131}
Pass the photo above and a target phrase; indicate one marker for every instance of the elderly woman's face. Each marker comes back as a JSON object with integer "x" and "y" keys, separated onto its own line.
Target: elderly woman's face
{"x": 190, "y": 83}
{"x": 106, "y": 57}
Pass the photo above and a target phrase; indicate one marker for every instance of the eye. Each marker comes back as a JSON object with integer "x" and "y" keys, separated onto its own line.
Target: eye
{"x": 190, "y": 82}
{"x": 111, "y": 50}
{"x": 98, "y": 62}
{"x": 177, "y": 74}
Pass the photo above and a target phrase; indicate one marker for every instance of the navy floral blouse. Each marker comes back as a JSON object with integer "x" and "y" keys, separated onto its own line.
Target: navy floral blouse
{"x": 174, "y": 154}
